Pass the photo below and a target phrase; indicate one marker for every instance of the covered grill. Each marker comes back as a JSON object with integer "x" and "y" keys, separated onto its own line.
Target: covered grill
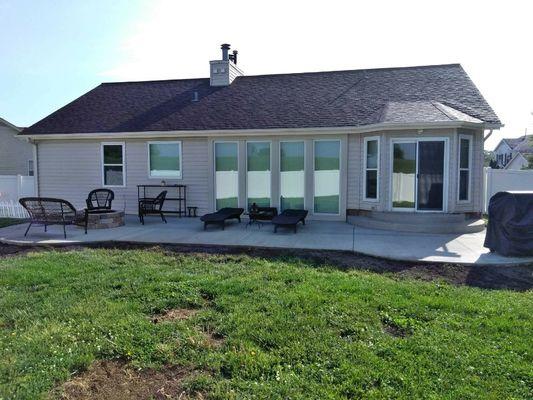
{"x": 510, "y": 227}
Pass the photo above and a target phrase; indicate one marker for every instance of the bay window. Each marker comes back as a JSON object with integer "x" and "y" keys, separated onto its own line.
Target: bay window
{"x": 371, "y": 165}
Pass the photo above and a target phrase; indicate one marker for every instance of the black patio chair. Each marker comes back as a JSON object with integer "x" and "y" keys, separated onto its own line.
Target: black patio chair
{"x": 289, "y": 218}
{"x": 46, "y": 211}
{"x": 152, "y": 207}
{"x": 221, "y": 216}
{"x": 100, "y": 200}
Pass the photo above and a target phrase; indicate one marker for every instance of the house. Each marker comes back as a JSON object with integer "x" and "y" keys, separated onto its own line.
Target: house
{"x": 515, "y": 153}
{"x": 374, "y": 142}
{"x": 16, "y": 154}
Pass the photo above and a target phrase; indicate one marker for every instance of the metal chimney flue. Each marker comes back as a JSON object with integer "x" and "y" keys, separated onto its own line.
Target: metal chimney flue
{"x": 225, "y": 50}
{"x": 233, "y": 57}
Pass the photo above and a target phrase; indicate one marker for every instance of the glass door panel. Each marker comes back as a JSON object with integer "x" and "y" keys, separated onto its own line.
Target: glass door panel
{"x": 430, "y": 175}
{"x": 258, "y": 173}
{"x": 327, "y": 177}
{"x": 292, "y": 175}
{"x": 226, "y": 174}
{"x": 404, "y": 176}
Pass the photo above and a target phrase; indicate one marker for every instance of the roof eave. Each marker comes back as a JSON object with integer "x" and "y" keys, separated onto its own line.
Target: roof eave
{"x": 261, "y": 132}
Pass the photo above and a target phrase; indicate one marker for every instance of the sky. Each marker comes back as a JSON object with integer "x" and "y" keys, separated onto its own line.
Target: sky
{"x": 52, "y": 52}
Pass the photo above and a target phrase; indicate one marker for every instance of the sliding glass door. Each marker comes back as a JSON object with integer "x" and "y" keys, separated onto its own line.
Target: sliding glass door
{"x": 292, "y": 175}
{"x": 431, "y": 175}
{"x": 418, "y": 175}
{"x": 327, "y": 176}
{"x": 226, "y": 174}
{"x": 404, "y": 176}
{"x": 258, "y": 173}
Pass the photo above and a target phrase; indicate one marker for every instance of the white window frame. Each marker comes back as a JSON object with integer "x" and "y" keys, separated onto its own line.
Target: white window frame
{"x": 246, "y": 171}
{"x": 469, "y": 169}
{"x": 180, "y": 155}
{"x": 123, "y": 165}
{"x": 31, "y": 168}
{"x": 365, "y": 168}
{"x": 305, "y": 170}
{"x": 340, "y": 177}
{"x": 215, "y": 171}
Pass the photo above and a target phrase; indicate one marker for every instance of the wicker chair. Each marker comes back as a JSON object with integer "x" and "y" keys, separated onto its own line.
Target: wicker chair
{"x": 100, "y": 200}
{"x": 46, "y": 211}
{"x": 152, "y": 206}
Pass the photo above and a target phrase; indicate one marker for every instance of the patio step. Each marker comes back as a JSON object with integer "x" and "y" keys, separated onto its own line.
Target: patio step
{"x": 412, "y": 217}
{"x": 420, "y": 226}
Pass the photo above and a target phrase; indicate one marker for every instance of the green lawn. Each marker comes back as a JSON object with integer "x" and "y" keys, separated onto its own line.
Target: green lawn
{"x": 10, "y": 221}
{"x": 290, "y": 329}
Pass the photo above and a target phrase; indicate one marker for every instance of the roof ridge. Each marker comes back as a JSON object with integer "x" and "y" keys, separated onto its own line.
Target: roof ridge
{"x": 437, "y": 105}
{"x": 296, "y": 73}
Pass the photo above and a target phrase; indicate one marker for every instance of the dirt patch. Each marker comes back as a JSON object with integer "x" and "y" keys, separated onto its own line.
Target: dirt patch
{"x": 395, "y": 330}
{"x": 176, "y": 314}
{"x": 115, "y": 380}
{"x": 517, "y": 277}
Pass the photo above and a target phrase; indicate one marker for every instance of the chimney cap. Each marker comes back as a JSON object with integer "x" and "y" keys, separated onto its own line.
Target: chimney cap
{"x": 225, "y": 46}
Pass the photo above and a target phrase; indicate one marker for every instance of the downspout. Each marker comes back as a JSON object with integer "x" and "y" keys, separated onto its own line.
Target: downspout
{"x": 488, "y": 136}
{"x": 35, "y": 167}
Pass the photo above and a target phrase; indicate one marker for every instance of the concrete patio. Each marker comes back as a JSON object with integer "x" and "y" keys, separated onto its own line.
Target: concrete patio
{"x": 442, "y": 248}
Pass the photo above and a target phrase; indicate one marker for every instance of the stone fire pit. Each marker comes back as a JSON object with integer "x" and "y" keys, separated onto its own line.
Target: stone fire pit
{"x": 105, "y": 219}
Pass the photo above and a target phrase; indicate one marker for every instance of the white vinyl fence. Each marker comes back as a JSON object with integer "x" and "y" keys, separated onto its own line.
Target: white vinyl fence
{"x": 501, "y": 180}
{"x": 12, "y": 188}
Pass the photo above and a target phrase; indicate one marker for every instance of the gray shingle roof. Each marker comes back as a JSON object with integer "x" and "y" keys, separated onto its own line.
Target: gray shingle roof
{"x": 523, "y": 144}
{"x": 321, "y": 99}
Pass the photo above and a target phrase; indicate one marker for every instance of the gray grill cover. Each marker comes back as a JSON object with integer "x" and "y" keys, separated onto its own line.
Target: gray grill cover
{"x": 510, "y": 228}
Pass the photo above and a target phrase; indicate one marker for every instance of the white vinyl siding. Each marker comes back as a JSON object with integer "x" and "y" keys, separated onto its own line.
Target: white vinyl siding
{"x": 70, "y": 169}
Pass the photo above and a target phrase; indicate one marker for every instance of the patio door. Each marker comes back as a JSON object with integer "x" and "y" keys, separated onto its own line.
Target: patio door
{"x": 418, "y": 175}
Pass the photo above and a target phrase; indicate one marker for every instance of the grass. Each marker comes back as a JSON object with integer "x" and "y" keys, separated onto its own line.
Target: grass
{"x": 10, "y": 221}
{"x": 291, "y": 330}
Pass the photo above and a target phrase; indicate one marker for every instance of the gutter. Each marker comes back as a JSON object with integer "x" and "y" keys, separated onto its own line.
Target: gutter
{"x": 261, "y": 132}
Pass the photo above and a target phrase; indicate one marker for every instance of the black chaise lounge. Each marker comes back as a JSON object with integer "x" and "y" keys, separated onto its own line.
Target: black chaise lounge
{"x": 99, "y": 200}
{"x": 46, "y": 211}
{"x": 289, "y": 218}
{"x": 150, "y": 206}
{"x": 221, "y": 216}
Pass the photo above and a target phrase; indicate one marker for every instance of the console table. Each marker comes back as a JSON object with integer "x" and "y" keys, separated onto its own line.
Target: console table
{"x": 177, "y": 193}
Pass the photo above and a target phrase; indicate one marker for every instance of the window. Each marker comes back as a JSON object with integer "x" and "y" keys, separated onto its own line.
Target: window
{"x": 164, "y": 160}
{"x": 113, "y": 164}
{"x": 292, "y": 175}
{"x": 31, "y": 171}
{"x": 465, "y": 162}
{"x": 371, "y": 157}
{"x": 327, "y": 177}
{"x": 258, "y": 173}
{"x": 226, "y": 174}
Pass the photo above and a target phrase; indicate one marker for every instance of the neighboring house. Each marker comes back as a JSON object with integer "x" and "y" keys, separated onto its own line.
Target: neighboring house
{"x": 336, "y": 143}
{"x": 16, "y": 154}
{"x": 514, "y": 153}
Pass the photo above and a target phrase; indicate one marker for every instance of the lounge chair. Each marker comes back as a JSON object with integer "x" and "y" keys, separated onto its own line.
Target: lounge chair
{"x": 221, "y": 216}
{"x": 46, "y": 211}
{"x": 289, "y": 218}
{"x": 150, "y": 206}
